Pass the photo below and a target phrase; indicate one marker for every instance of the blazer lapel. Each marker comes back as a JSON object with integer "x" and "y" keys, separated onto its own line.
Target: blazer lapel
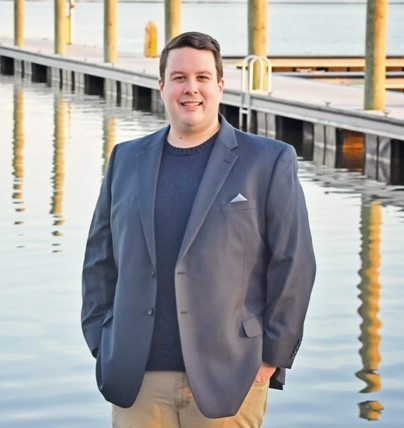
{"x": 220, "y": 163}
{"x": 147, "y": 175}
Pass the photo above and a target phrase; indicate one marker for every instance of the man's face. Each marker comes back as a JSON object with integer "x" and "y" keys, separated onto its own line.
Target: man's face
{"x": 191, "y": 91}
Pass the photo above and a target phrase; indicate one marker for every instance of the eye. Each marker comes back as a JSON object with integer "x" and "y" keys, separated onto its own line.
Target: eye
{"x": 178, "y": 78}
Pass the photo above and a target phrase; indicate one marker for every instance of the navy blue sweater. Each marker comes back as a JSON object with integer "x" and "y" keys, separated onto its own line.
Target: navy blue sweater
{"x": 180, "y": 174}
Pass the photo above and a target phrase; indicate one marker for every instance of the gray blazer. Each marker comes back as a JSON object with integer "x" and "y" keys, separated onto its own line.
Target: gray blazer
{"x": 243, "y": 277}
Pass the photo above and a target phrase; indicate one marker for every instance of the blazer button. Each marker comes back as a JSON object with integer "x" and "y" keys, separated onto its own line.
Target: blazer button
{"x": 150, "y": 311}
{"x": 153, "y": 273}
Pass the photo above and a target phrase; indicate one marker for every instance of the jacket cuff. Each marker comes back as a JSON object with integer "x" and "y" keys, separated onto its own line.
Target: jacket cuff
{"x": 280, "y": 354}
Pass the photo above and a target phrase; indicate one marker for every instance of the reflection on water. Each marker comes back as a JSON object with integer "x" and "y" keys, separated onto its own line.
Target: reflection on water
{"x": 332, "y": 148}
{"x": 58, "y": 173}
{"x": 370, "y": 290}
{"x": 54, "y": 151}
{"x": 351, "y": 151}
{"x": 109, "y": 139}
{"x": 18, "y": 151}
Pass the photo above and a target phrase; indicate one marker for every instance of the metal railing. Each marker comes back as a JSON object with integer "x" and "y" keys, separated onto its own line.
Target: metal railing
{"x": 256, "y": 78}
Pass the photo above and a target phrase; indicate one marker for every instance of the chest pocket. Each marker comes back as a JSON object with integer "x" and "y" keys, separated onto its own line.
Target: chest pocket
{"x": 240, "y": 205}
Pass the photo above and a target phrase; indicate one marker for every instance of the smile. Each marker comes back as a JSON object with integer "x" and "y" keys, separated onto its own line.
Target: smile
{"x": 191, "y": 103}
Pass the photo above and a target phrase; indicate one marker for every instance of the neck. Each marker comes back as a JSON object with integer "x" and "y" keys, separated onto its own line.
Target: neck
{"x": 192, "y": 139}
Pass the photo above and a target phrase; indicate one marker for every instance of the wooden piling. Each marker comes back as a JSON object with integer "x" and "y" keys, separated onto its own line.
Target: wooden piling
{"x": 173, "y": 18}
{"x": 111, "y": 31}
{"x": 19, "y": 18}
{"x": 258, "y": 38}
{"x": 258, "y": 27}
{"x": 60, "y": 27}
{"x": 376, "y": 48}
{"x": 70, "y": 21}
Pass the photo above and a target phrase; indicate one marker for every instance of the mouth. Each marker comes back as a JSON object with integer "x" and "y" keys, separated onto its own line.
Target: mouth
{"x": 191, "y": 103}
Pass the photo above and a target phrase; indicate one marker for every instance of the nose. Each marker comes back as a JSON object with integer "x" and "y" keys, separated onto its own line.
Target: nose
{"x": 191, "y": 87}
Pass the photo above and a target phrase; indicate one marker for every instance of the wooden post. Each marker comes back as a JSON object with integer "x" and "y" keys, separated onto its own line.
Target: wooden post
{"x": 376, "y": 47}
{"x": 110, "y": 31}
{"x": 60, "y": 27}
{"x": 258, "y": 37}
{"x": 151, "y": 43}
{"x": 258, "y": 27}
{"x": 173, "y": 18}
{"x": 70, "y": 21}
{"x": 19, "y": 15}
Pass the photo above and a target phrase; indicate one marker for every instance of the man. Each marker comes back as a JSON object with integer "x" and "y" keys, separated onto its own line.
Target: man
{"x": 199, "y": 262}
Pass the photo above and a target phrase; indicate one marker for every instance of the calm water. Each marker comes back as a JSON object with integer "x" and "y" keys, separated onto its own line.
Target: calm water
{"x": 294, "y": 29}
{"x": 53, "y": 152}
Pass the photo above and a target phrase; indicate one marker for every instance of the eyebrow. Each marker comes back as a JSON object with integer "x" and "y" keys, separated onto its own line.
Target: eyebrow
{"x": 198, "y": 72}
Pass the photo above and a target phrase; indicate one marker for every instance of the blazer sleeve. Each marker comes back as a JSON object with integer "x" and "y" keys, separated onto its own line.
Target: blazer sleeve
{"x": 99, "y": 269}
{"x": 291, "y": 267}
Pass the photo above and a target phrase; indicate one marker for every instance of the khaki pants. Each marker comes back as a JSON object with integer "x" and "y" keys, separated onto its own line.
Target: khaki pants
{"x": 165, "y": 400}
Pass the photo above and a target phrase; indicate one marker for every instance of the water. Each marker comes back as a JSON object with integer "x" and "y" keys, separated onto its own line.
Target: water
{"x": 294, "y": 28}
{"x": 53, "y": 151}
{"x": 47, "y": 190}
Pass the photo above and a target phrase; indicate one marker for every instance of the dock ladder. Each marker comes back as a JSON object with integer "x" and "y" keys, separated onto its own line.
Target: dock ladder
{"x": 256, "y": 78}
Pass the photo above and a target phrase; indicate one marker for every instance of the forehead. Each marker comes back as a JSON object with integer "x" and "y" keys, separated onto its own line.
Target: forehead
{"x": 189, "y": 59}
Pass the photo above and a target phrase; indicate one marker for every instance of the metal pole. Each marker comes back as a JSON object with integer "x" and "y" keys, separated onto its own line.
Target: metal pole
{"x": 110, "y": 31}
{"x": 19, "y": 15}
{"x": 173, "y": 18}
{"x": 60, "y": 27}
{"x": 376, "y": 48}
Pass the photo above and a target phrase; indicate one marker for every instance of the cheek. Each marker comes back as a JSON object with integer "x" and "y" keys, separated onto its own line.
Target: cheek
{"x": 169, "y": 93}
{"x": 213, "y": 94}
{"x": 164, "y": 96}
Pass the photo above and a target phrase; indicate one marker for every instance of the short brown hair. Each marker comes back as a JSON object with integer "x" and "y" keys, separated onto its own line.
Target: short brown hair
{"x": 195, "y": 40}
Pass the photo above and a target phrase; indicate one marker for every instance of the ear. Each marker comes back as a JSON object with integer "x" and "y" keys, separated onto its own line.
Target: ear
{"x": 221, "y": 84}
{"x": 161, "y": 86}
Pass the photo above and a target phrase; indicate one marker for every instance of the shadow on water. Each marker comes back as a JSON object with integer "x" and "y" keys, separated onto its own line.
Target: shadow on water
{"x": 78, "y": 162}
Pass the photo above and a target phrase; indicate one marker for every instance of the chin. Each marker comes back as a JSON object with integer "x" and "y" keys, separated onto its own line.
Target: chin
{"x": 190, "y": 121}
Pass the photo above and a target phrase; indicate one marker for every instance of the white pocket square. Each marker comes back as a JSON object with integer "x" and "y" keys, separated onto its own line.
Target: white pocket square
{"x": 238, "y": 198}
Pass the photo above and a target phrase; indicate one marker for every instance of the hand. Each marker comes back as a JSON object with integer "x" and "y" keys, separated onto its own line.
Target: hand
{"x": 264, "y": 373}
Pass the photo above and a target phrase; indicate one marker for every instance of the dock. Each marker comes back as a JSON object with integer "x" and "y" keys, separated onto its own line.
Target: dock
{"x": 324, "y": 120}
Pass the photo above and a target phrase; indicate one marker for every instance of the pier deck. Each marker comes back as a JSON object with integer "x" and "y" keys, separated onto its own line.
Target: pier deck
{"x": 318, "y": 102}
{"x": 330, "y": 109}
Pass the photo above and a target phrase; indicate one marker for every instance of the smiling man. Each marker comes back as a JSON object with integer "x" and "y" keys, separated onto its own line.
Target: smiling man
{"x": 199, "y": 262}
{"x": 191, "y": 89}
